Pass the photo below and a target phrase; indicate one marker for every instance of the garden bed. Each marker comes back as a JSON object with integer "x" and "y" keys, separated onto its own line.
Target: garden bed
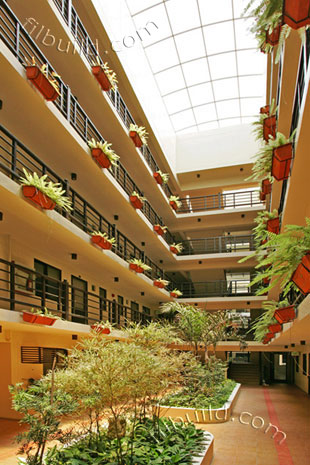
{"x": 202, "y": 415}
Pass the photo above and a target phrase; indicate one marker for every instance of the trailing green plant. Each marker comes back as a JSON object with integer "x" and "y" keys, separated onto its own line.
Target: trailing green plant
{"x": 176, "y": 199}
{"x": 110, "y": 74}
{"x": 53, "y": 190}
{"x": 112, "y": 240}
{"x": 263, "y": 159}
{"x": 141, "y": 131}
{"x": 260, "y": 325}
{"x": 106, "y": 149}
{"x": 260, "y": 232}
{"x": 164, "y": 176}
{"x": 258, "y": 125}
{"x": 138, "y": 262}
{"x": 178, "y": 246}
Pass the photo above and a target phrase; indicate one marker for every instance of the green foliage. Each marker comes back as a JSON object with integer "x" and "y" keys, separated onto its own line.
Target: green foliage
{"x": 44, "y": 312}
{"x": 138, "y": 262}
{"x": 260, "y": 325}
{"x": 258, "y": 125}
{"x": 260, "y": 232}
{"x": 106, "y": 149}
{"x": 141, "y": 131}
{"x": 153, "y": 334}
{"x": 53, "y": 190}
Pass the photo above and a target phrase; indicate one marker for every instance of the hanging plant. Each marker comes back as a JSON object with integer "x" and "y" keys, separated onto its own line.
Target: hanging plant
{"x": 176, "y": 293}
{"x": 104, "y": 75}
{"x": 160, "y": 177}
{"x": 40, "y": 317}
{"x": 138, "y": 265}
{"x": 265, "y": 126}
{"x": 263, "y": 322}
{"x": 161, "y": 283}
{"x": 47, "y": 86}
{"x": 103, "y": 154}
{"x": 137, "y": 200}
{"x": 160, "y": 230}
{"x": 176, "y": 248}
{"x": 175, "y": 202}
{"x": 46, "y": 194}
{"x": 138, "y": 134}
{"x": 266, "y": 186}
{"x": 102, "y": 240}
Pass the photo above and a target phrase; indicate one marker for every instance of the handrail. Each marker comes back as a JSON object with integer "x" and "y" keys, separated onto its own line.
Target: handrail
{"x": 220, "y": 201}
{"x": 14, "y": 156}
{"x": 90, "y": 52}
{"x": 23, "y": 288}
{"x": 24, "y": 48}
{"x": 220, "y": 288}
{"x": 220, "y": 244}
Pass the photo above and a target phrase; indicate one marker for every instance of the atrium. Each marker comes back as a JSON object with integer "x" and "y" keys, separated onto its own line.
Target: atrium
{"x": 154, "y": 232}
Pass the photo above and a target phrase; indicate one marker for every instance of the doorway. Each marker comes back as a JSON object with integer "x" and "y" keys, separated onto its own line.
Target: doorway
{"x": 79, "y": 300}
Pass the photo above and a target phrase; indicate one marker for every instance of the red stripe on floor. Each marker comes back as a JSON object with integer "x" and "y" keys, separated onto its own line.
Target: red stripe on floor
{"x": 284, "y": 455}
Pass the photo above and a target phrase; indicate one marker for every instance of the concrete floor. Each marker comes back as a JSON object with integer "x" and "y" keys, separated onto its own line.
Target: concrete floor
{"x": 284, "y": 406}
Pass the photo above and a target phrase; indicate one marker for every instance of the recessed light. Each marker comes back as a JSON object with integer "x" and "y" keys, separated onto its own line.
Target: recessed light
{"x": 73, "y": 176}
{"x": 199, "y": 220}
{"x": 241, "y": 169}
{"x": 142, "y": 293}
{"x": 243, "y": 215}
{"x": 200, "y": 262}
{"x": 115, "y": 217}
{"x": 116, "y": 279}
{"x": 74, "y": 256}
{"x": 198, "y": 175}
{"x": 74, "y": 337}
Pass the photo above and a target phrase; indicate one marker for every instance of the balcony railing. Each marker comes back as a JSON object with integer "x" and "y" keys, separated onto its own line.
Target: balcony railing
{"x": 221, "y": 244}
{"x": 235, "y": 288}
{"x": 22, "y": 289}
{"x": 24, "y": 48}
{"x": 14, "y": 156}
{"x": 90, "y": 52}
{"x": 227, "y": 201}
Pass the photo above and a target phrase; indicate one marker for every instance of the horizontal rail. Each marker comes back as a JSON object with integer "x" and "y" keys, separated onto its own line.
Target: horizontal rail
{"x": 227, "y": 201}
{"x": 220, "y": 288}
{"x": 220, "y": 244}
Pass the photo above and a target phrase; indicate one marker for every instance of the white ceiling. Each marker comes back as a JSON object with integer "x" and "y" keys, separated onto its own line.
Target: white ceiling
{"x": 204, "y": 61}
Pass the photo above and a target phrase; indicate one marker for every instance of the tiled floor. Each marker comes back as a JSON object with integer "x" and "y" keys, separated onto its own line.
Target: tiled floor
{"x": 237, "y": 443}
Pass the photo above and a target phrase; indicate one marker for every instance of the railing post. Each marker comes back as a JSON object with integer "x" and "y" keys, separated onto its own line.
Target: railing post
{"x": 17, "y": 38}
{"x": 12, "y": 285}
{"x": 220, "y": 200}
{"x": 65, "y": 213}
{"x": 69, "y": 13}
{"x": 43, "y": 298}
{"x": 68, "y": 104}
{"x": 13, "y": 158}
{"x": 66, "y": 300}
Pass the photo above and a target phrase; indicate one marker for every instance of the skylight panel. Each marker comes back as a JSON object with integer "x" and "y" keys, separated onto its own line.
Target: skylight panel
{"x": 138, "y": 5}
{"x": 219, "y": 38}
{"x": 239, "y": 6}
{"x": 216, "y": 12}
{"x": 251, "y": 62}
{"x": 208, "y": 126}
{"x": 177, "y": 101}
{"x": 224, "y": 123}
{"x": 248, "y": 119}
{"x": 170, "y": 80}
{"x": 228, "y": 108}
{"x": 183, "y": 15}
{"x": 152, "y": 25}
{"x": 190, "y": 45}
{"x": 251, "y": 86}
{"x": 244, "y": 38}
{"x": 202, "y": 93}
{"x": 250, "y": 106}
{"x": 196, "y": 72}
{"x": 162, "y": 55}
{"x": 205, "y": 113}
{"x": 183, "y": 120}
{"x": 223, "y": 65}
{"x": 226, "y": 89}
{"x": 191, "y": 130}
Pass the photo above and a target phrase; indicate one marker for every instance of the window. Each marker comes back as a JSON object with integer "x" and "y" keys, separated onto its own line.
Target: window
{"x": 304, "y": 364}
{"x": 146, "y": 310}
{"x": 79, "y": 300}
{"x": 238, "y": 282}
{"x": 297, "y": 363}
{"x": 134, "y": 311}
{"x": 102, "y": 303}
{"x": 47, "y": 288}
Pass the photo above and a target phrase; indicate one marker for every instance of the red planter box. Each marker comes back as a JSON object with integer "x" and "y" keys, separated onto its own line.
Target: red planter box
{"x": 160, "y": 231}
{"x": 276, "y": 328}
{"x": 100, "y": 330}
{"x": 158, "y": 178}
{"x": 264, "y": 110}
{"x": 266, "y": 280}
{"x": 262, "y": 196}
{"x": 173, "y": 294}
{"x": 285, "y": 315}
{"x": 174, "y": 250}
{"x": 273, "y": 38}
{"x": 38, "y": 319}
{"x": 173, "y": 205}
{"x": 273, "y": 225}
{"x": 136, "y": 202}
{"x": 296, "y": 13}
{"x": 269, "y": 127}
{"x": 101, "y": 77}
{"x": 301, "y": 276}
{"x": 135, "y": 268}
{"x": 101, "y": 242}
{"x": 135, "y": 138}
{"x": 267, "y": 338}
{"x": 159, "y": 284}
{"x": 38, "y": 197}
{"x": 281, "y": 162}
{"x": 40, "y": 81}
{"x": 100, "y": 158}
{"x": 266, "y": 186}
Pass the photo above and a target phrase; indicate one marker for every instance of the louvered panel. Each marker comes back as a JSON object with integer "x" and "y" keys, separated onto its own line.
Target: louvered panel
{"x": 31, "y": 355}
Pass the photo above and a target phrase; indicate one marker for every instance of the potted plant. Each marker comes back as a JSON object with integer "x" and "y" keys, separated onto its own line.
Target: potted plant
{"x": 268, "y": 338}
{"x": 161, "y": 283}
{"x": 262, "y": 324}
{"x": 176, "y": 248}
{"x": 103, "y": 154}
{"x": 160, "y": 230}
{"x": 273, "y": 225}
{"x": 266, "y": 124}
{"x": 160, "y": 177}
{"x": 47, "y": 86}
{"x": 137, "y": 200}
{"x": 102, "y": 327}
{"x": 266, "y": 186}
{"x": 296, "y": 14}
{"x": 265, "y": 109}
{"x": 40, "y": 317}
{"x": 104, "y": 75}
{"x": 46, "y": 194}
{"x": 285, "y": 314}
{"x": 175, "y": 202}
{"x": 138, "y": 135}
{"x": 102, "y": 240}
{"x": 176, "y": 293}
{"x": 138, "y": 265}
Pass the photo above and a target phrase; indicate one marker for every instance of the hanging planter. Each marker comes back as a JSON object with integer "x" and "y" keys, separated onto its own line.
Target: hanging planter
{"x": 173, "y": 205}
{"x": 160, "y": 283}
{"x": 267, "y": 338}
{"x": 102, "y": 240}
{"x": 276, "y": 328}
{"x": 175, "y": 293}
{"x": 47, "y": 87}
{"x": 138, "y": 266}
{"x": 273, "y": 37}
{"x": 269, "y": 127}
{"x": 285, "y": 315}
{"x": 262, "y": 196}
{"x": 133, "y": 266}
{"x": 301, "y": 276}
{"x": 264, "y": 110}
{"x": 296, "y": 13}
{"x": 273, "y": 225}
{"x": 136, "y": 202}
{"x": 136, "y": 139}
{"x": 36, "y": 196}
{"x": 266, "y": 186}
{"x": 138, "y": 135}
{"x": 38, "y": 319}
{"x": 160, "y": 230}
{"x": 101, "y": 158}
{"x": 175, "y": 202}
{"x": 176, "y": 248}
{"x": 158, "y": 178}
{"x": 100, "y": 329}
{"x": 101, "y": 77}
{"x": 281, "y": 161}
{"x": 103, "y": 154}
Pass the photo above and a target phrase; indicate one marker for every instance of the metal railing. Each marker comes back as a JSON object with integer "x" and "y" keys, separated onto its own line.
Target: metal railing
{"x": 22, "y": 289}
{"x": 24, "y": 48}
{"x": 221, "y": 244}
{"x": 91, "y": 53}
{"x": 220, "y": 201}
{"x": 222, "y": 288}
{"x": 14, "y": 156}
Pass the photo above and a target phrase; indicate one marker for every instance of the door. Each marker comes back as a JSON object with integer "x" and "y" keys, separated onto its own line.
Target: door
{"x": 103, "y": 314}
{"x": 280, "y": 367}
{"x": 79, "y": 300}
{"x": 50, "y": 290}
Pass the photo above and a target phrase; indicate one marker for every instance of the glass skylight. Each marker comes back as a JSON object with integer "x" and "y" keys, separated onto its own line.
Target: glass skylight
{"x": 204, "y": 60}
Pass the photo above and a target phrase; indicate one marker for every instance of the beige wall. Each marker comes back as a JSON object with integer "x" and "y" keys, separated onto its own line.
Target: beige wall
{"x": 301, "y": 380}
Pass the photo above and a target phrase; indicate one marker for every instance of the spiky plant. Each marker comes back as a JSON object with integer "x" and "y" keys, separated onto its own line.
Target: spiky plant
{"x": 139, "y": 196}
{"x": 106, "y": 148}
{"x": 258, "y": 125}
{"x": 164, "y": 176}
{"x": 162, "y": 281}
{"x": 178, "y": 246}
{"x": 53, "y": 190}
{"x": 141, "y": 131}
{"x": 110, "y": 74}
{"x": 138, "y": 262}
{"x": 176, "y": 199}
{"x": 260, "y": 325}
{"x": 177, "y": 292}
{"x": 105, "y": 236}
